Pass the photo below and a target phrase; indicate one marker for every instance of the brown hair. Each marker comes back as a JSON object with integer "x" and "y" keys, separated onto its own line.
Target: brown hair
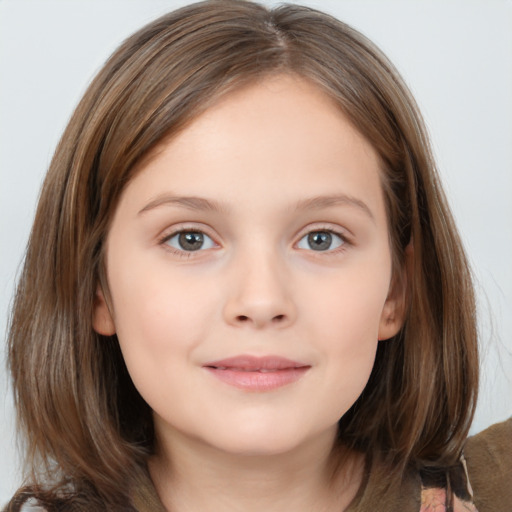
{"x": 86, "y": 427}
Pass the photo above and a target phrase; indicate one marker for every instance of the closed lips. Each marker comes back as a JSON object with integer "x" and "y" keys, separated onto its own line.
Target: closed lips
{"x": 258, "y": 374}
{"x": 255, "y": 364}
{"x": 262, "y": 370}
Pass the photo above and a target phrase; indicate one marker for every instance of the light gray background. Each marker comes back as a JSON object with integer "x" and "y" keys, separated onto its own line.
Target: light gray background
{"x": 455, "y": 55}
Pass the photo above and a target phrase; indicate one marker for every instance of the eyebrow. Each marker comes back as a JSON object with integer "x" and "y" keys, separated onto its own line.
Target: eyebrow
{"x": 203, "y": 204}
{"x": 319, "y": 202}
{"x": 189, "y": 202}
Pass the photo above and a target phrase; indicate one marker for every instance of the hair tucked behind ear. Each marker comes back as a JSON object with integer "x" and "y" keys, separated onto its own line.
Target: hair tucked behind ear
{"x": 87, "y": 430}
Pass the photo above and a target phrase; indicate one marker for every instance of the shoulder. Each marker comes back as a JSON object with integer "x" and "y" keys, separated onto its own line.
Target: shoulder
{"x": 489, "y": 464}
{"x": 28, "y": 499}
{"x": 33, "y": 506}
{"x": 29, "y": 505}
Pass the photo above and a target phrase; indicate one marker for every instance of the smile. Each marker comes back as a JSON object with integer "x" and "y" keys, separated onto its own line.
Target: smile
{"x": 257, "y": 373}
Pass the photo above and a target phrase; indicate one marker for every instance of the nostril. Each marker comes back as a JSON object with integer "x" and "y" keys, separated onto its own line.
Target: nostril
{"x": 245, "y": 319}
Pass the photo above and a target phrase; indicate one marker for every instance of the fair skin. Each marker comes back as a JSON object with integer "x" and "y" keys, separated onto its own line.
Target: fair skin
{"x": 258, "y": 231}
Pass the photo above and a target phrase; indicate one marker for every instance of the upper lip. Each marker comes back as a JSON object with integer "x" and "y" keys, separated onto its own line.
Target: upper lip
{"x": 255, "y": 363}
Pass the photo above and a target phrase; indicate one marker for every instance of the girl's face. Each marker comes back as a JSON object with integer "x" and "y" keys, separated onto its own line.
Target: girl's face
{"x": 250, "y": 272}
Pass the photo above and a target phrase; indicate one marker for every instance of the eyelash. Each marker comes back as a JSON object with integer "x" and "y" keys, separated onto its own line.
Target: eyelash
{"x": 345, "y": 241}
{"x": 178, "y": 252}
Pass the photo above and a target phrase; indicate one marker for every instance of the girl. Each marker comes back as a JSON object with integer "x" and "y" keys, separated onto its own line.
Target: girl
{"x": 244, "y": 288}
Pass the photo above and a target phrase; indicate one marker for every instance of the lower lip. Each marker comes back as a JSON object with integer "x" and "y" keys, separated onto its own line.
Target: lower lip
{"x": 259, "y": 381}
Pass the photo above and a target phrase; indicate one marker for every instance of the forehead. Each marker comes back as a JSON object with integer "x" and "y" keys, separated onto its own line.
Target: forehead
{"x": 282, "y": 137}
{"x": 275, "y": 100}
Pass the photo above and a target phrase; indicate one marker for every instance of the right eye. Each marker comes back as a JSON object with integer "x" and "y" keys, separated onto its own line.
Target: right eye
{"x": 189, "y": 241}
{"x": 321, "y": 241}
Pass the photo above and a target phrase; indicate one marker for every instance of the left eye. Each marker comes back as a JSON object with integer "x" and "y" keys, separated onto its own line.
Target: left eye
{"x": 190, "y": 241}
{"x": 320, "y": 241}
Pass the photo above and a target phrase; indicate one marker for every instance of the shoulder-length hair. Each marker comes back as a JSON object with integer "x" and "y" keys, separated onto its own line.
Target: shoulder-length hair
{"x": 83, "y": 420}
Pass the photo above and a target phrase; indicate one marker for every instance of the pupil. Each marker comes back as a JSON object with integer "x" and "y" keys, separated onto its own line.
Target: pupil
{"x": 320, "y": 240}
{"x": 191, "y": 241}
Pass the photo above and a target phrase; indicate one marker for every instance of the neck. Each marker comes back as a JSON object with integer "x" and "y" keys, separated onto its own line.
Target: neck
{"x": 190, "y": 476}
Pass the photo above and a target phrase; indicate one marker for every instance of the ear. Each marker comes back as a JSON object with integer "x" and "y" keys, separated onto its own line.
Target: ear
{"x": 102, "y": 320}
{"x": 395, "y": 307}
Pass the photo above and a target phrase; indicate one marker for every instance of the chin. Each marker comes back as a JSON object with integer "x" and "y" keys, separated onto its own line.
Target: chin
{"x": 263, "y": 442}
{"x": 266, "y": 447}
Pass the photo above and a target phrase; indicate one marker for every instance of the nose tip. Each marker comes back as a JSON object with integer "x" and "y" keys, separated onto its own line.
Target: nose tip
{"x": 259, "y": 297}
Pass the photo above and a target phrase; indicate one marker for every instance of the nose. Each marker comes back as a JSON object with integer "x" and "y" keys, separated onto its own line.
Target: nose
{"x": 259, "y": 293}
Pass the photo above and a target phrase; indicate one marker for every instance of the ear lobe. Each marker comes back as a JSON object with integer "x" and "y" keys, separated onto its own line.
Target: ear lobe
{"x": 102, "y": 321}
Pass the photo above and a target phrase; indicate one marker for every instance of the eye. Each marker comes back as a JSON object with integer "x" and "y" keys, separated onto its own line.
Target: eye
{"x": 320, "y": 241}
{"x": 190, "y": 241}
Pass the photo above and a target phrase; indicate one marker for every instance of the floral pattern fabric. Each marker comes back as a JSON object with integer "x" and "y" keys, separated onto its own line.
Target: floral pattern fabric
{"x": 435, "y": 500}
{"x": 458, "y": 497}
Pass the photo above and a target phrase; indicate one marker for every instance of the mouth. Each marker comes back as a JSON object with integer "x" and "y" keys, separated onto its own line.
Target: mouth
{"x": 257, "y": 373}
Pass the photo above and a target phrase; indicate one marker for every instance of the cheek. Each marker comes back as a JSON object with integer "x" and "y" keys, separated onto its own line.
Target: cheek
{"x": 159, "y": 327}
{"x": 345, "y": 324}
{"x": 349, "y": 305}
{"x": 160, "y": 317}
